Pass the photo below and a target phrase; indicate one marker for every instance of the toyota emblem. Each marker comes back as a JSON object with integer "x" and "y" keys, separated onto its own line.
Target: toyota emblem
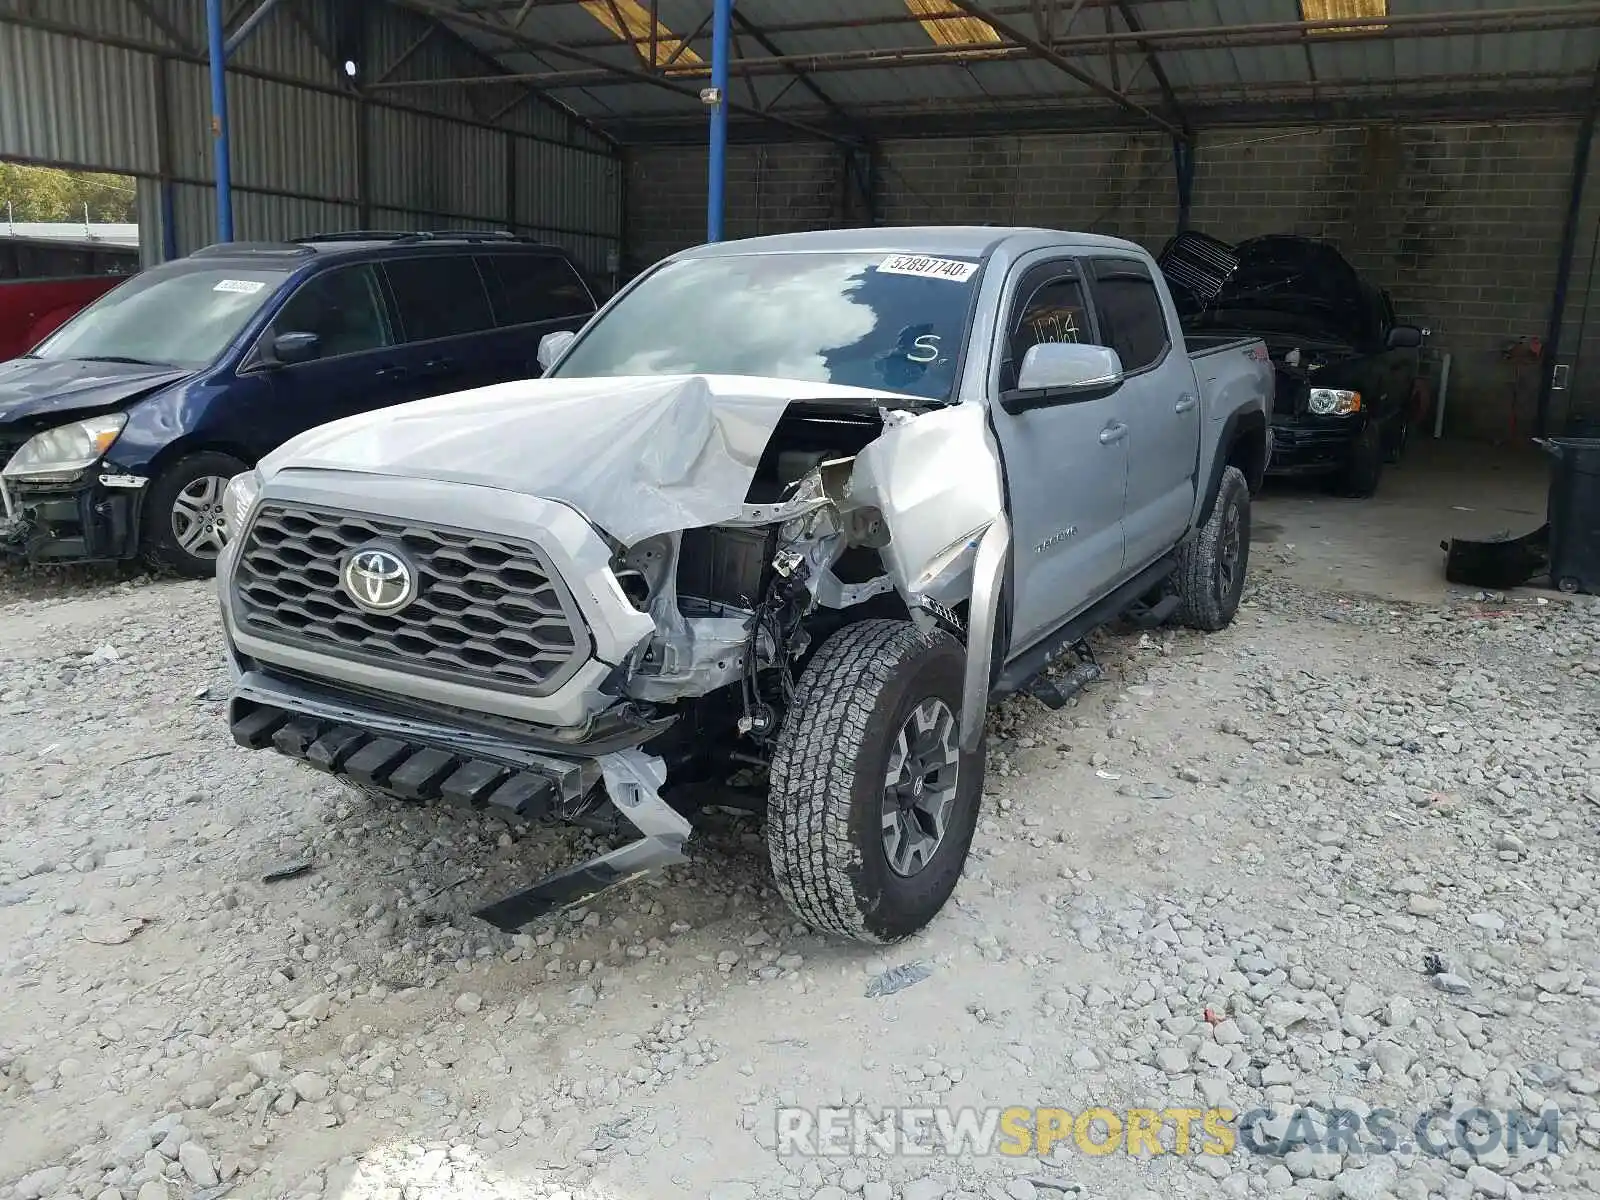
{"x": 379, "y": 580}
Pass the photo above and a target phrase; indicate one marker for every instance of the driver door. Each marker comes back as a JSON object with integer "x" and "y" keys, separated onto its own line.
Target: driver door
{"x": 355, "y": 367}
{"x": 1065, "y": 459}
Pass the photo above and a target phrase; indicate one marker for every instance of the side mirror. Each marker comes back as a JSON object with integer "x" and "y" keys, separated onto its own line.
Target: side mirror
{"x": 1405, "y": 337}
{"x": 1070, "y": 367}
{"x": 553, "y": 345}
{"x": 286, "y": 348}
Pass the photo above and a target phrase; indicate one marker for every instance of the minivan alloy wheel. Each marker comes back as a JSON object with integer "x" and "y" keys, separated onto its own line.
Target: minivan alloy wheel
{"x": 197, "y": 517}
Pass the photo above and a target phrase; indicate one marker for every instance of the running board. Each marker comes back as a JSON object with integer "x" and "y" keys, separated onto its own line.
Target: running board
{"x": 634, "y": 780}
{"x": 1150, "y": 616}
{"x": 1054, "y": 693}
{"x": 1032, "y": 663}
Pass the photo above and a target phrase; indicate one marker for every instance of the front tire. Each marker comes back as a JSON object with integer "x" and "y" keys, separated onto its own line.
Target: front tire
{"x": 873, "y": 804}
{"x": 182, "y": 525}
{"x": 1212, "y": 564}
{"x": 1360, "y": 475}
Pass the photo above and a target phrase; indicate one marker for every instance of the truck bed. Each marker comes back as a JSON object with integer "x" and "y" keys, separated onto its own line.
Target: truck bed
{"x": 1202, "y": 344}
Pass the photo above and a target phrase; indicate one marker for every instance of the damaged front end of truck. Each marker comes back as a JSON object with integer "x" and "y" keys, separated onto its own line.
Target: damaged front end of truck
{"x": 589, "y": 600}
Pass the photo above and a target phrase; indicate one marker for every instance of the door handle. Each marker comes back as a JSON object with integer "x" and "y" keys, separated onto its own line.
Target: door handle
{"x": 391, "y": 371}
{"x": 1185, "y": 402}
{"x": 1113, "y": 432}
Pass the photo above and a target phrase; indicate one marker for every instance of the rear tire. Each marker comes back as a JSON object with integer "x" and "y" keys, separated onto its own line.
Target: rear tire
{"x": 1212, "y": 564}
{"x": 1399, "y": 442}
{"x": 873, "y": 805}
{"x": 1360, "y": 475}
{"x": 181, "y": 521}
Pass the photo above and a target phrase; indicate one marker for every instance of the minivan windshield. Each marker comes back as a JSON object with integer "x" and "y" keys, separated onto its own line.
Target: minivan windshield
{"x": 183, "y": 314}
{"x": 887, "y": 322}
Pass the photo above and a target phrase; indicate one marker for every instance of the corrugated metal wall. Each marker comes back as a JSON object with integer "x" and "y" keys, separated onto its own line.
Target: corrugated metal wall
{"x": 113, "y": 86}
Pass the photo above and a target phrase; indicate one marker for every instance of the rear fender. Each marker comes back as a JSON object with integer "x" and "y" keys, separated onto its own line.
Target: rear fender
{"x": 1243, "y": 440}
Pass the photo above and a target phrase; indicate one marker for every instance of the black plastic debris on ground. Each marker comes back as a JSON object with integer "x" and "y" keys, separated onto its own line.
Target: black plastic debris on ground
{"x": 898, "y": 979}
{"x": 1498, "y": 563}
{"x": 287, "y": 871}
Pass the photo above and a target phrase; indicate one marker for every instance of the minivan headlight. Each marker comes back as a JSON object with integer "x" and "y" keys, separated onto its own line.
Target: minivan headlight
{"x": 1334, "y": 402}
{"x": 62, "y": 454}
{"x": 239, "y": 498}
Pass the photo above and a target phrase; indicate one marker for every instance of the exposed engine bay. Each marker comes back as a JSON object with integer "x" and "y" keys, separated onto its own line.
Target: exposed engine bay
{"x": 737, "y": 606}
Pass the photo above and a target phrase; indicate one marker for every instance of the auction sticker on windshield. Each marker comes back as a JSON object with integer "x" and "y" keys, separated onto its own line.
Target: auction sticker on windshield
{"x": 952, "y": 269}
{"x": 248, "y": 286}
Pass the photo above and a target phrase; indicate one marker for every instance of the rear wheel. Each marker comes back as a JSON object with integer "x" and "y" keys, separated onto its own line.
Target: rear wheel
{"x": 873, "y": 804}
{"x": 1212, "y": 564}
{"x": 1398, "y": 441}
{"x": 183, "y": 526}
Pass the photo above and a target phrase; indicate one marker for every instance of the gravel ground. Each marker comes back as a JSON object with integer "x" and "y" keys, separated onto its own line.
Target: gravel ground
{"x": 1340, "y": 856}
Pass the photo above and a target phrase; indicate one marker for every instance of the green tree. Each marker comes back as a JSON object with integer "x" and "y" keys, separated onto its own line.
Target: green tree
{"x": 51, "y": 194}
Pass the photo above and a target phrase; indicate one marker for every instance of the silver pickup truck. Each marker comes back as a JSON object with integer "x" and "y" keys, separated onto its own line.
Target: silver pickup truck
{"x": 773, "y": 530}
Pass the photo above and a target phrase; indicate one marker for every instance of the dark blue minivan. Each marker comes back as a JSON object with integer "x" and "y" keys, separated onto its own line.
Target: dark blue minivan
{"x": 120, "y": 430}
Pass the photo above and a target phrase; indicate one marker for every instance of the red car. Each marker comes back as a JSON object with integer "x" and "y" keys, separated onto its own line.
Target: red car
{"x": 43, "y": 281}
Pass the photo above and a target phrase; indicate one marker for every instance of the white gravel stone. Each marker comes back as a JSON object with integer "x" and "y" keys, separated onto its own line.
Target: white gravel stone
{"x": 196, "y": 1164}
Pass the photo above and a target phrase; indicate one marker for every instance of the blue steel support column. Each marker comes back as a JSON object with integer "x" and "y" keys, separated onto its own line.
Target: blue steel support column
{"x": 721, "y": 37}
{"x": 219, "y": 118}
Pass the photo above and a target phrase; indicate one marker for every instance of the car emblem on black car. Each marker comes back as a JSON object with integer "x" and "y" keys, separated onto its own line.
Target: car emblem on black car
{"x": 379, "y": 580}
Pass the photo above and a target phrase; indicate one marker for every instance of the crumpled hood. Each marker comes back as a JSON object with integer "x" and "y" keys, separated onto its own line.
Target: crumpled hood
{"x": 34, "y": 387}
{"x": 637, "y": 456}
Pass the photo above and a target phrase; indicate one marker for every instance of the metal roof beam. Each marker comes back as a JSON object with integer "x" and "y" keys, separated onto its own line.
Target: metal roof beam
{"x": 800, "y": 76}
{"x": 409, "y": 52}
{"x": 1568, "y": 16}
{"x": 1174, "y": 108}
{"x": 1062, "y": 63}
{"x": 501, "y": 75}
{"x": 1291, "y": 108}
{"x": 634, "y": 74}
{"x": 167, "y": 28}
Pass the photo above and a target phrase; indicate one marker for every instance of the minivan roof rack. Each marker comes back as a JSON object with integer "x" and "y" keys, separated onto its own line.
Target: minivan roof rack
{"x": 405, "y": 236}
{"x": 252, "y": 249}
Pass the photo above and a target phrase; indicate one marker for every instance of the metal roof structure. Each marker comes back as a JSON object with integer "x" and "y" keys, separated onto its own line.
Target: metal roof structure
{"x": 853, "y": 70}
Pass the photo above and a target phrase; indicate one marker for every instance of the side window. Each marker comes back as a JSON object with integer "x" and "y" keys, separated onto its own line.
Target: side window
{"x": 1131, "y": 320}
{"x": 528, "y": 288}
{"x": 343, "y": 307}
{"x": 1053, "y": 310}
{"x": 439, "y": 296}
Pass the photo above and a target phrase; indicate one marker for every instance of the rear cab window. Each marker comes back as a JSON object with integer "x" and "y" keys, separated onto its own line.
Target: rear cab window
{"x": 1132, "y": 321}
{"x": 439, "y": 296}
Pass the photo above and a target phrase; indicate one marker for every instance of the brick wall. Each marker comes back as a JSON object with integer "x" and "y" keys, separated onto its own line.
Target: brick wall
{"x": 1461, "y": 223}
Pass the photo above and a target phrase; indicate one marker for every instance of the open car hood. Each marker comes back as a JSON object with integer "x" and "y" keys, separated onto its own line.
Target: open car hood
{"x": 637, "y": 456}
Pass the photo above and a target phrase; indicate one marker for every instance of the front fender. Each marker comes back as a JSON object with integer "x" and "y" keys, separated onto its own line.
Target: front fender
{"x": 936, "y": 481}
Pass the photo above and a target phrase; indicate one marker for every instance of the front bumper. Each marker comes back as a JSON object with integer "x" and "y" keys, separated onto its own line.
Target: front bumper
{"x": 77, "y": 522}
{"x": 1311, "y": 445}
{"x": 416, "y": 757}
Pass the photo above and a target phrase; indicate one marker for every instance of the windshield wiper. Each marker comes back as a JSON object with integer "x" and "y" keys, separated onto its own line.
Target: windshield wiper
{"x": 121, "y": 358}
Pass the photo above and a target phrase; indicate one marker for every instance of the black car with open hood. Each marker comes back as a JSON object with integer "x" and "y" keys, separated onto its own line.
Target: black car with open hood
{"x": 1345, "y": 369}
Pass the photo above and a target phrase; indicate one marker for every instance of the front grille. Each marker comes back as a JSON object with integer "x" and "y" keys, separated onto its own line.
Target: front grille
{"x": 489, "y": 610}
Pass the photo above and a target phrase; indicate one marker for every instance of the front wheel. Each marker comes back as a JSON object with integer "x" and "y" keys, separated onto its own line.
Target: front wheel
{"x": 182, "y": 519}
{"x": 1364, "y": 468}
{"x": 1212, "y": 564}
{"x": 873, "y": 804}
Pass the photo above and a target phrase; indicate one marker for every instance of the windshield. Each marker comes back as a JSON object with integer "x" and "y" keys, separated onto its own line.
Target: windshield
{"x": 181, "y": 316}
{"x": 887, "y": 322}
